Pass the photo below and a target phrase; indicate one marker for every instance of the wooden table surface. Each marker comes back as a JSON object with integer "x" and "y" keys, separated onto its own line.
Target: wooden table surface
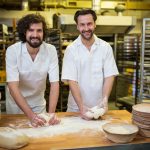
{"x": 74, "y": 140}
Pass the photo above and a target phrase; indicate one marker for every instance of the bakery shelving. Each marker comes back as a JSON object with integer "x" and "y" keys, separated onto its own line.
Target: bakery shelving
{"x": 3, "y": 45}
{"x": 128, "y": 56}
{"x": 3, "y": 97}
{"x": 145, "y": 62}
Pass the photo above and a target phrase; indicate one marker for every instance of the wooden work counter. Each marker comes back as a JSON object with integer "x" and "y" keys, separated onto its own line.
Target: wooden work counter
{"x": 77, "y": 140}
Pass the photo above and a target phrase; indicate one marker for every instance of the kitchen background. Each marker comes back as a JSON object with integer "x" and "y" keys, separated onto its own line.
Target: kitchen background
{"x": 125, "y": 24}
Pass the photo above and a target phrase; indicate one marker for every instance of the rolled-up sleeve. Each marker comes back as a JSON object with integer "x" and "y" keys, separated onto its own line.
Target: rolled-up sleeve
{"x": 110, "y": 67}
{"x": 12, "y": 73}
{"x": 54, "y": 68}
{"x": 69, "y": 69}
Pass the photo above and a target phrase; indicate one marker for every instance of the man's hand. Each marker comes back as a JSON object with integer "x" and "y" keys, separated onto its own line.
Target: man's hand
{"x": 53, "y": 119}
{"x": 44, "y": 120}
{"x": 84, "y": 113}
{"x": 104, "y": 104}
{"x": 37, "y": 121}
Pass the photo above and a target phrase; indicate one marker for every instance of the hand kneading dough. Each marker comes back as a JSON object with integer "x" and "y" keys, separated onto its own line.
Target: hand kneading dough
{"x": 95, "y": 112}
{"x": 12, "y": 139}
{"x": 89, "y": 114}
{"x": 46, "y": 116}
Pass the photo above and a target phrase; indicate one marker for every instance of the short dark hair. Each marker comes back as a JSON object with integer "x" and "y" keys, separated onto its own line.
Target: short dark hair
{"x": 24, "y": 24}
{"x": 85, "y": 12}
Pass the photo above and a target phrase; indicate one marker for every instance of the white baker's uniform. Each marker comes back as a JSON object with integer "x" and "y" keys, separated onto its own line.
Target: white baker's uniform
{"x": 31, "y": 75}
{"x": 88, "y": 68}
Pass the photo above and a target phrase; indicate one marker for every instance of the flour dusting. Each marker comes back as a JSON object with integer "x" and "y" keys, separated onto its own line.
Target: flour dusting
{"x": 67, "y": 125}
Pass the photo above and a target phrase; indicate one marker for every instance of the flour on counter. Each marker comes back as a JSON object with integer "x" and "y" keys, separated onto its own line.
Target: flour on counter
{"x": 67, "y": 125}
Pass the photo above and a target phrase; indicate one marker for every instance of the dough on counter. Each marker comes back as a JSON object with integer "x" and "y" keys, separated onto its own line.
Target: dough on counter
{"x": 98, "y": 112}
{"x": 12, "y": 139}
{"x": 89, "y": 114}
{"x": 46, "y": 116}
{"x": 95, "y": 112}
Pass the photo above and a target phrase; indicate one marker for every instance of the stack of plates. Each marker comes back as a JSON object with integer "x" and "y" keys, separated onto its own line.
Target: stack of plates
{"x": 141, "y": 117}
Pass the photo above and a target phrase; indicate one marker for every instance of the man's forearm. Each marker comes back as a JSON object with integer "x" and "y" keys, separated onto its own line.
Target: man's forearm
{"x": 107, "y": 87}
{"x": 53, "y": 97}
{"x": 76, "y": 93}
{"x": 108, "y": 84}
{"x": 19, "y": 99}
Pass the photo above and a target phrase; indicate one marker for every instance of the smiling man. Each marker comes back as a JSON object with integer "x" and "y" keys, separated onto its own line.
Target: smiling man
{"x": 88, "y": 66}
{"x": 27, "y": 64}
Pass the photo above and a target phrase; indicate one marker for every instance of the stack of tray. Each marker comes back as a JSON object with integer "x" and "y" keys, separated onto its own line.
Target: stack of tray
{"x": 141, "y": 117}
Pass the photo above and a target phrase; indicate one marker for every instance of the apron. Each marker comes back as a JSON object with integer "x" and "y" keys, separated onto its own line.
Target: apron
{"x": 32, "y": 84}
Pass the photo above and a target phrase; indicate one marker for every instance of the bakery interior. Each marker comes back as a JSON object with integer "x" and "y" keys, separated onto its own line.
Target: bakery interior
{"x": 125, "y": 24}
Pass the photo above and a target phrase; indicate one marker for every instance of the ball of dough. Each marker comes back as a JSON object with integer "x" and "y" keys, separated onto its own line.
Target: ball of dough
{"x": 97, "y": 112}
{"x": 12, "y": 139}
{"x": 89, "y": 114}
{"x": 46, "y": 116}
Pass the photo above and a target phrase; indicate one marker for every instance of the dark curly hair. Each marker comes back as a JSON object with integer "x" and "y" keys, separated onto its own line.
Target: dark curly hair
{"x": 85, "y": 12}
{"x": 24, "y": 24}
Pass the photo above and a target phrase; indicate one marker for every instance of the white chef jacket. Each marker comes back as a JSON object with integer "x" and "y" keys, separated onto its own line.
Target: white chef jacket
{"x": 30, "y": 74}
{"x": 88, "y": 68}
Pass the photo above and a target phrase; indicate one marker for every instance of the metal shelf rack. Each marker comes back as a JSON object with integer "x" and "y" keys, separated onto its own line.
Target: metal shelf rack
{"x": 145, "y": 62}
{"x": 128, "y": 57}
{"x": 3, "y": 45}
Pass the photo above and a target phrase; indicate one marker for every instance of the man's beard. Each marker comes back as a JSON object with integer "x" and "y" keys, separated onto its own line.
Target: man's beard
{"x": 35, "y": 44}
{"x": 89, "y": 37}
